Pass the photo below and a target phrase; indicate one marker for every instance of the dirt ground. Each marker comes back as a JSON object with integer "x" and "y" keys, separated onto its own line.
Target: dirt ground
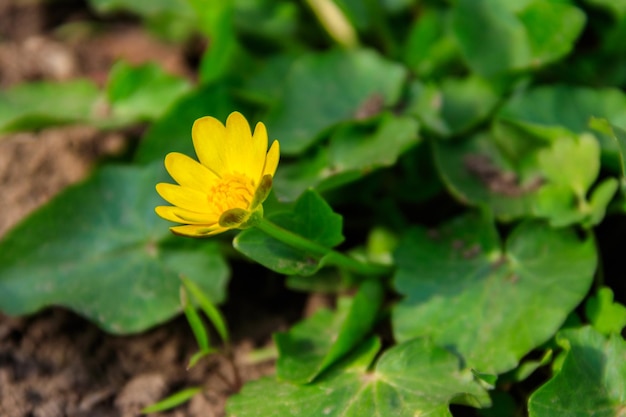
{"x": 55, "y": 363}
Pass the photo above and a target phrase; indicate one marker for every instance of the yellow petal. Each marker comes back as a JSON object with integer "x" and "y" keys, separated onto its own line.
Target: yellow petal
{"x": 197, "y": 231}
{"x": 230, "y": 149}
{"x": 186, "y": 198}
{"x": 210, "y": 142}
{"x": 271, "y": 161}
{"x": 188, "y": 172}
{"x": 259, "y": 149}
{"x": 245, "y": 153}
{"x": 179, "y": 215}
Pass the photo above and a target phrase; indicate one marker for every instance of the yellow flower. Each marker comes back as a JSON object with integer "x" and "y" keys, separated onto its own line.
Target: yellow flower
{"x": 226, "y": 188}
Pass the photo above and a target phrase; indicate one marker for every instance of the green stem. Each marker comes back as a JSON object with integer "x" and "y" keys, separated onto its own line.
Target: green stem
{"x": 331, "y": 257}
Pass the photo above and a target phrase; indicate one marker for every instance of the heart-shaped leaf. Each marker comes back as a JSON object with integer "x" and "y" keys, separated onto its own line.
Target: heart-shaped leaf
{"x": 99, "y": 249}
{"x": 460, "y": 284}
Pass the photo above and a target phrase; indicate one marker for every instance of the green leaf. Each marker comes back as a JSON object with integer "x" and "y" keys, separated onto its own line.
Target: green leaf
{"x": 217, "y": 23}
{"x": 552, "y": 111}
{"x": 99, "y": 249}
{"x": 490, "y": 36}
{"x": 356, "y": 148}
{"x": 526, "y": 368}
{"x": 560, "y": 205}
{"x": 141, "y": 7}
{"x": 592, "y": 380}
{"x": 430, "y": 44}
{"x": 195, "y": 358}
{"x": 173, "y": 400}
{"x": 605, "y": 315}
{"x": 552, "y": 28}
{"x": 495, "y": 38}
{"x": 172, "y": 132}
{"x": 142, "y": 93}
{"x": 324, "y": 89}
{"x": 571, "y": 165}
{"x": 410, "y": 379}
{"x": 313, "y": 345}
{"x": 209, "y": 309}
{"x": 477, "y": 173}
{"x": 311, "y": 218}
{"x": 172, "y": 19}
{"x": 562, "y": 162}
{"x": 454, "y": 106}
{"x": 600, "y": 198}
{"x": 459, "y": 283}
{"x": 195, "y": 322}
{"x": 617, "y": 133}
{"x": 42, "y": 104}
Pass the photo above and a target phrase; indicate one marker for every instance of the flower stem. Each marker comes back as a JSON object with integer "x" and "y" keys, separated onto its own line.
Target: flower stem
{"x": 331, "y": 257}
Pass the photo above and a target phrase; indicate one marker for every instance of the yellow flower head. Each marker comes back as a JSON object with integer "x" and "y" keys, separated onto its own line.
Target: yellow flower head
{"x": 226, "y": 188}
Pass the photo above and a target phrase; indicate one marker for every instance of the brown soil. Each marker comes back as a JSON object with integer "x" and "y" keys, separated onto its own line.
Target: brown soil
{"x": 54, "y": 363}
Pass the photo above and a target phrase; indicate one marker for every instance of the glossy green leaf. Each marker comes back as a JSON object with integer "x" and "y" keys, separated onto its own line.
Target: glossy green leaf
{"x": 40, "y": 104}
{"x": 494, "y": 37}
{"x": 560, "y": 205}
{"x": 490, "y": 36}
{"x": 459, "y": 283}
{"x": 99, "y": 249}
{"x": 477, "y": 173}
{"x": 617, "y": 133}
{"x": 528, "y": 367}
{"x": 172, "y": 132}
{"x": 311, "y": 218}
{"x": 591, "y": 382}
{"x": 599, "y": 201}
{"x": 356, "y": 148}
{"x": 173, "y": 400}
{"x": 324, "y": 89}
{"x": 410, "y": 379}
{"x": 453, "y": 106}
{"x": 353, "y": 152}
{"x": 548, "y": 111}
{"x": 430, "y": 45}
{"x": 313, "y": 345}
{"x": 605, "y": 315}
{"x": 552, "y": 28}
{"x": 561, "y": 163}
{"x": 570, "y": 166}
{"x": 142, "y": 93}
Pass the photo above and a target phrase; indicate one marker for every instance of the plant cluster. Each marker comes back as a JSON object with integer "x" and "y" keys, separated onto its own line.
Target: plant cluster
{"x": 452, "y": 171}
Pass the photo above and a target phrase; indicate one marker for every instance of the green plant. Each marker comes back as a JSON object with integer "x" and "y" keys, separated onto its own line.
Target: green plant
{"x": 447, "y": 170}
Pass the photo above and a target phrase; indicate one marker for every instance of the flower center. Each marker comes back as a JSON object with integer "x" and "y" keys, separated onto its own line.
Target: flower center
{"x": 231, "y": 191}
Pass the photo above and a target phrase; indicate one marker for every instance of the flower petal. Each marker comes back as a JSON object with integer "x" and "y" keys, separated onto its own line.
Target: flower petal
{"x": 186, "y": 198}
{"x": 271, "y": 160}
{"x": 210, "y": 143}
{"x": 230, "y": 149}
{"x": 188, "y": 172}
{"x": 179, "y": 215}
{"x": 197, "y": 231}
{"x": 259, "y": 149}
{"x": 245, "y": 153}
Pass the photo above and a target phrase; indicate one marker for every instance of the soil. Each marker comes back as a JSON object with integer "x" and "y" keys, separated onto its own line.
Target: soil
{"x": 55, "y": 363}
